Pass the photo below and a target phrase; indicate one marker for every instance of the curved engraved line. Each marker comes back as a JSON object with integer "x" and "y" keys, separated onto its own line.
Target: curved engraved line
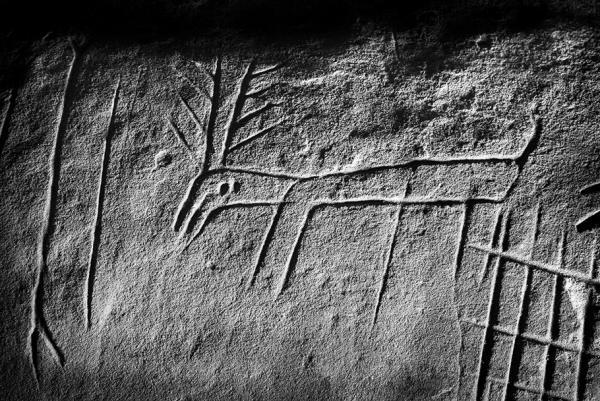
{"x": 38, "y": 324}
{"x": 212, "y": 212}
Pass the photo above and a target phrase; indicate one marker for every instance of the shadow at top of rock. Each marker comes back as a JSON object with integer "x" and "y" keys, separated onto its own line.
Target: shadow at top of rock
{"x": 159, "y": 18}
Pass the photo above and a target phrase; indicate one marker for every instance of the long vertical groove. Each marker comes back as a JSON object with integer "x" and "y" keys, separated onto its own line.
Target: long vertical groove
{"x": 552, "y": 321}
{"x": 580, "y": 372}
{"x": 38, "y": 327}
{"x": 462, "y": 236}
{"x": 493, "y": 240}
{"x": 238, "y": 105}
{"x": 388, "y": 259}
{"x": 209, "y": 147}
{"x": 97, "y": 229}
{"x": 512, "y": 371}
{"x": 5, "y": 118}
{"x": 486, "y": 344}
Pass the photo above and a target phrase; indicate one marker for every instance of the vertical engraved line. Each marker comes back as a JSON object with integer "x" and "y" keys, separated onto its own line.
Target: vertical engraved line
{"x": 511, "y": 373}
{"x": 580, "y": 372}
{"x": 388, "y": 261}
{"x": 556, "y": 293}
{"x": 38, "y": 326}
{"x": 388, "y": 258}
{"x": 209, "y": 129}
{"x": 5, "y": 118}
{"x": 97, "y": 229}
{"x": 486, "y": 344}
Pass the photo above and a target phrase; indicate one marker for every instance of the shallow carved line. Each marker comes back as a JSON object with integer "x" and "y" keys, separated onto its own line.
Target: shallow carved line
{"x": 511, "y": 374}
{"x": 97, "y": 229}
{"x": 38, "y": 326}
{"x": 388, "y": 260}
{"x": 486, "y": 343}
{"x": 179, "y": 135}
{"x": 553, "y": 320}
{"x": 5, "y": 117}
{"x": 535, "y": 338}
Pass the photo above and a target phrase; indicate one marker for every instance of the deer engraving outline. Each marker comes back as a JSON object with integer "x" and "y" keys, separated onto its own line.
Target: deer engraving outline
{"x": 220, "y": 186}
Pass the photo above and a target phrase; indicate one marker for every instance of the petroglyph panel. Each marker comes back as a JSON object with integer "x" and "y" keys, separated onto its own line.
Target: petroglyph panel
{"x": 382, "y": 211}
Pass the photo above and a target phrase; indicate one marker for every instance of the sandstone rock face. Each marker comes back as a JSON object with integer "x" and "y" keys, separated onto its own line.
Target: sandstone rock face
{"x": 378, "y": 213}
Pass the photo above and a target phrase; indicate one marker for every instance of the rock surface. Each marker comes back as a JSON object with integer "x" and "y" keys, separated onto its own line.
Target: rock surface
{"x": 373, "y": 212}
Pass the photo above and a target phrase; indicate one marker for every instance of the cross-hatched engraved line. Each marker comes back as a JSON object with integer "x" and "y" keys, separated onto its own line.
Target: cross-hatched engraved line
{"x": 388, "y": 259}
{"x": 487, "y": 340}
{"x": 530, "y": 389}
{"x": 553, "y": 319}
{"x": 97, "y": 229}
{"x": 511, "y": 374}
{"x": 552, "y": 269}
{"x": 580, "y": 370}
{"x": 493, "y": 240}
{"x": 534, "y": 338}
{"x": 10, "y": 99}
{"x": 38, "y": 326}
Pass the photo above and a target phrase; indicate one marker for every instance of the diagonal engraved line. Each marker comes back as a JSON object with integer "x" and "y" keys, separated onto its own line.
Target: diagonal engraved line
{"x": 97, "y": 230}
{"x": 462, "y": 236}
{"x": 388, "y": 259}
{"x": 538, "y": 265}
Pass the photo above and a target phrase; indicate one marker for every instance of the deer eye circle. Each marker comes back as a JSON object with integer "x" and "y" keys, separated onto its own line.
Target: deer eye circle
{"x": 223, "y": 188}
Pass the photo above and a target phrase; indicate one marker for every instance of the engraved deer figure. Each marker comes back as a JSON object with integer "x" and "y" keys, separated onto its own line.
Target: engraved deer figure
{"x": 294, "y": 198}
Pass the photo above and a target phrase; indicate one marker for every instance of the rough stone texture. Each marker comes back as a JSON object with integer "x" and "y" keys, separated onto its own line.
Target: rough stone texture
{"x": 153, "y": 248}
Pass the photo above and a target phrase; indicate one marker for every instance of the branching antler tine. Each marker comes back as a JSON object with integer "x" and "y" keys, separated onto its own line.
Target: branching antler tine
{"x": 50, "y": 343}
{"x": 191, "y": 113}
{"x": 257, "y": 134}
{"x": 179, "y": 134}
{"x": 266, "y": 70}
{"x": 259, "y": 92}
{"x": 254, "y": 113}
